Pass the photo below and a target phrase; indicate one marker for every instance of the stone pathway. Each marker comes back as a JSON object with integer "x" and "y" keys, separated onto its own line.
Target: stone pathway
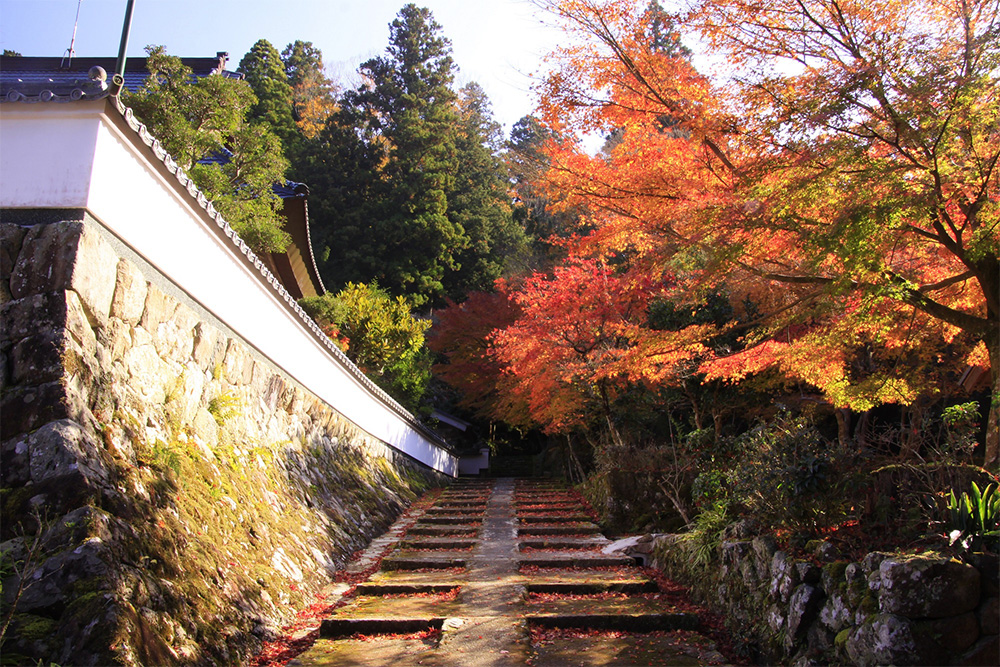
{"x": 504, "y": 572}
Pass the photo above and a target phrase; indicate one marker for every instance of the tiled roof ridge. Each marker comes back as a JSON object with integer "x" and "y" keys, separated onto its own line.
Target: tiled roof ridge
{"x": 188, "y": 184}
{"x": 94, "y": 88}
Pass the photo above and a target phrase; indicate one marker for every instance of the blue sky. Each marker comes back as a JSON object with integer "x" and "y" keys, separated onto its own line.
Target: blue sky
{"x": 498, "y": 43}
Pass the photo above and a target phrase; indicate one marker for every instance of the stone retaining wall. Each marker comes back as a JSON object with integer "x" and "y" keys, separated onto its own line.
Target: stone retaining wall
{"x": 168, "y": 495}
{"x": 887, "y": 609}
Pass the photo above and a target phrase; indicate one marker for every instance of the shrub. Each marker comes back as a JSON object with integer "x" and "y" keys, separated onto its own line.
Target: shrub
{"x": 786, "y": 474}
{"x": 974, "y": 518}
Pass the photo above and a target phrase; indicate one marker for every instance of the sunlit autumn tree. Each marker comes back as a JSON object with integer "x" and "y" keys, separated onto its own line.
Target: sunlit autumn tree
{"x": 841, "y": 168}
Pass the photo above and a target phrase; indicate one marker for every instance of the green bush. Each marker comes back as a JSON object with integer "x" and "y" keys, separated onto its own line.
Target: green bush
{"x": 382, "y": 337}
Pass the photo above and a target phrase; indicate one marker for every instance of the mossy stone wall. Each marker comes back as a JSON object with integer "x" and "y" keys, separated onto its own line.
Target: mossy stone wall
{"x": 900, "y": 609}
{"x": 169, "y": 496}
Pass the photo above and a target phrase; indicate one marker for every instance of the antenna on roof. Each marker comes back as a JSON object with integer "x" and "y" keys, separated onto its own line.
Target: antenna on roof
{"x": 69, "y": 53}
{"x": 118, "y": 80}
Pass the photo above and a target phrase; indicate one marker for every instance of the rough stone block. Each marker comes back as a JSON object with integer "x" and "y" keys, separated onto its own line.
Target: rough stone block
{"x": 174, "y": 338}
{"x": 803, "y": 607}
{"x": 836, "y": 613}
{"x": 63, "y": 449}
{"x": 67, "y": 255}
{"x": 37, "y": 359}
{"x": 209, "y": 346}
{"x": 146, "y": 373}
{"x": 78, "y": 325}
{"x": 11, "y": 237}
{"x": 927, "y": 587}
{"x": 25, "y": 409}
{"x": 989, "y": 616}
{"x": 14, "y": 462}
{"x": 784, "y": 577}
{"x": 159, "y": 308}
{"x": 117, "y": 338}
{"x": 955, "y": 633}
{"x": 985, "y": 652}
{"x": 764, "y": 548}
{"x": 129, "y": 299}
{"x": 888, "y": 639}
{"x": 238, "y": 365}
{"x": 94, "y": 275}
{"x": 45, "y": 263}
{"x": 27, "y": 316}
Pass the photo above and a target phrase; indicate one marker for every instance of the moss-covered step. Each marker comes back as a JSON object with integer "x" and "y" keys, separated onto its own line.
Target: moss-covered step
{"x": 450, "y": 578}
{"x": 403, "y": 587}
{"x": 346, "y": 627}
{"x": 412, "y": 606}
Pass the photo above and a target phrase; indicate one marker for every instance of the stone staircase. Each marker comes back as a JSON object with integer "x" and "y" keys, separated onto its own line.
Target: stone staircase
{"x": 506, "y": 572}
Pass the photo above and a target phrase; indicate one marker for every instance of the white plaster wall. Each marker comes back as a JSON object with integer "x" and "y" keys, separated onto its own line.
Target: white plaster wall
{"x": 77, "y": 155}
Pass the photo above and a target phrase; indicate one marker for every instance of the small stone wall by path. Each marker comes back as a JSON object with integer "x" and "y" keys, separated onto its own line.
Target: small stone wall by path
{"x": 169, "y": 496}
{"x": 504, "y": 572}
{"x": 925, "y": 609}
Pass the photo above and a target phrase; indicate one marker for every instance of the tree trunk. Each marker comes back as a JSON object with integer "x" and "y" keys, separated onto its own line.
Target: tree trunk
{"x": 843, "y": 426}
{"x": 991, "y": 457}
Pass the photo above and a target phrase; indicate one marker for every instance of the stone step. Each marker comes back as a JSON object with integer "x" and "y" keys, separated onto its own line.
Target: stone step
{"x": 345, "y": 627}
{"x": 553, "y": 518}
{"x": 447, "y": 520}
{"x": 403, "y": 588}
{"x": 591, "y": 542}
{"x": 623, "y": 622}
{"x": 397, "y": 606}
{"x": 576, "y": 604}
{"x": 576, "y": 560}
{"x": 420, "y": 562}
{"x": 592, "y": 587}
{"x": 492, "y": 602}
{"x": 442, "y": 530}
{"x": 442, "y": 543}
{"x": 568, "y": 529}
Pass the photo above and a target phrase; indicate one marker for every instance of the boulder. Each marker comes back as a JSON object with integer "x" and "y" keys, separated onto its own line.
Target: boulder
{"x": 888, "y": 639}
{"x": 984, "y": 652}
{"x": 954, "y": 633}
{"x": 784, "y": 577}
{"x": 927, "y": 586}
{"x": 989, "y": 616}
